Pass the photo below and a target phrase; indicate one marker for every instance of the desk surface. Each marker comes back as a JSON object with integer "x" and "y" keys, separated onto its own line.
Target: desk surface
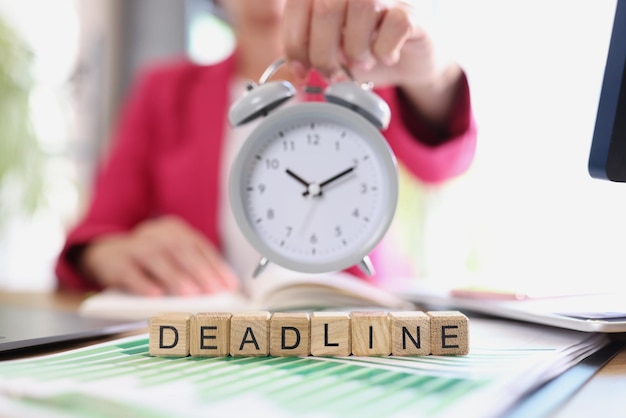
{"x": 599, "y": 396}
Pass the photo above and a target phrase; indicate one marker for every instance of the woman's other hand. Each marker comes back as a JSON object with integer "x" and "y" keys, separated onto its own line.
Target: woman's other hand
{"x": 163, "y": 256}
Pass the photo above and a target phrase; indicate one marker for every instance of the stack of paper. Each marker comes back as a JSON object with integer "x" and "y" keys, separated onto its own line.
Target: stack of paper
{"x": 119, "y": 378}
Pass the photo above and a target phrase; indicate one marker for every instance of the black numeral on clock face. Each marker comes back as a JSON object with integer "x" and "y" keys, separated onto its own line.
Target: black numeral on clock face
{"x": 289, "y": 145}
{"x": 272, "y": 164}
{"x": 313, "y": 139}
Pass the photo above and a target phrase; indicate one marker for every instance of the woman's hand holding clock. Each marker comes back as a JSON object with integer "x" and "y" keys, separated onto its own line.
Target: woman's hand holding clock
{"x": 379, "y": 41}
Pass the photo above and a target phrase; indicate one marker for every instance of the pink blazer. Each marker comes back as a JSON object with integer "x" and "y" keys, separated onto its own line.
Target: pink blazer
{"x": 165, "y": 157}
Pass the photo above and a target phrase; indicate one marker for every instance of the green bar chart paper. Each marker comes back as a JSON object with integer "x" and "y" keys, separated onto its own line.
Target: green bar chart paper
{"x": 120, "y": 378}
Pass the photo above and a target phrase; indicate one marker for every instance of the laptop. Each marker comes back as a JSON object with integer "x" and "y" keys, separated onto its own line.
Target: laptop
{"x": 26, "y": 327}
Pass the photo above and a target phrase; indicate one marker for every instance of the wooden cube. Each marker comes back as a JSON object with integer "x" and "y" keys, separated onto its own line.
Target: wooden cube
{"x": 169, "y": 334}
{"x": 371, "y": 334}
{"x": 410, "y": 333}
{"x": 210, "y": 334}
{"x": 331, "y": 334}
{"x": 250, "y": 334}
{"x": 449, "y": 334}
{"x": 290, "y": 334}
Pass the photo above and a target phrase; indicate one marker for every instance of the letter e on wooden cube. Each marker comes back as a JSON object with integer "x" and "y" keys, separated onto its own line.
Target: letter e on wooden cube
{"x": 290, "y": 334}
{"x": 410, "y": 333}
{"x": 169, "y": 334}
{"x": 250, "y": 334}
{"x": 371, "y": 334}
{"x": 210, "y": 334}
{"x": 449, "y": 333}
{"x": 330, "y": 334}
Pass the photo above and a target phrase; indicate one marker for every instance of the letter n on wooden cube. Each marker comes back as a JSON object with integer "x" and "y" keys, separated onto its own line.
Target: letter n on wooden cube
{"x": 449, "y": 333}
{"x": 210, "y": 334}
{"x": 410, "y": 333}
{"x": 330, "y": 334}
{"x": 169, "y": 334}
{"x": 371, "y": 334}
{"x": 290, "y": 334}
{"x": 250, "y": 334}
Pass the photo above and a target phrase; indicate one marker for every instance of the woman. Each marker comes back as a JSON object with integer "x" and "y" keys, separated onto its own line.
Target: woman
{"x": 159, "y": 221}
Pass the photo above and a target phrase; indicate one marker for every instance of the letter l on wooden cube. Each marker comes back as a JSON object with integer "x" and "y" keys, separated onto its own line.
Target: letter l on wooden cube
{"x": 330, "y": 334}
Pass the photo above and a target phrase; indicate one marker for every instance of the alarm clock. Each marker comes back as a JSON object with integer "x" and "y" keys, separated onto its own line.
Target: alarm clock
{"x": 314, "y": 187}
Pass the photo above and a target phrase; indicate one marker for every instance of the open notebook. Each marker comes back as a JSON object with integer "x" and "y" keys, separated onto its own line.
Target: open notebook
{"x": 265, "y": 293}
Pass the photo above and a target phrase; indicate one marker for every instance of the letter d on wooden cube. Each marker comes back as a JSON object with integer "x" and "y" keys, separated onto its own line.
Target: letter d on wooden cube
{"x": 449, "y": 334}
{"x": 290, "y": 334}
{"x": 169, "y": 334}
{"x": 250, "y": 334}
{"x": 371, "y": 334}
{"x": 210, "y": 334}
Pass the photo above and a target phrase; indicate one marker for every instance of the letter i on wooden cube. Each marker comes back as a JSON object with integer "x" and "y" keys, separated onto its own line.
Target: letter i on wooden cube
{"x": 290, "y": 334}
{"x": 169, "y": 334}
{"x": 371, "y": 334}
{"x": 210, "y": 334}
{"x": 330, "y": 334}
{"x": 410, "y": 333}
{"x": 250, "y": 334}
{"x": 449, "y": 334}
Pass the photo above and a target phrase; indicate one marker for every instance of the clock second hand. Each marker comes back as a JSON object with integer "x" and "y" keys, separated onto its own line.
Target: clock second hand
{"x": 328, "y": 181}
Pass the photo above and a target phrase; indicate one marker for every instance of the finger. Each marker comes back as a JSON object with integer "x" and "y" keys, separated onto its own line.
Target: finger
{"x": 203, "y": 263}
{"x": 362, "y": 19}
{"x": 157, "y": 262}
{"x": 226, "y": 277}
{"x": 396, "y": 27}
{"x": 296, "y": 19}
{"x": 325, "y": 36}
{"x": 131, "y": 278}
{"x": 200, "y": 269}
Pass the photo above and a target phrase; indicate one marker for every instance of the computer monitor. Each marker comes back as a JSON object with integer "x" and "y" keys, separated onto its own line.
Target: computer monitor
{"x": 607, "y": 159}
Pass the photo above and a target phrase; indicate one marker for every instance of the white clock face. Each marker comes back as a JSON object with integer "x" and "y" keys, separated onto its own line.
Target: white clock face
{"x": 314, "y": 188}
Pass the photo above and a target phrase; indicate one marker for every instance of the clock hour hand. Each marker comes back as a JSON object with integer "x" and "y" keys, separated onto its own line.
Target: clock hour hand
{"x": 297, "y": 177}
{"x": 330, "y": 180}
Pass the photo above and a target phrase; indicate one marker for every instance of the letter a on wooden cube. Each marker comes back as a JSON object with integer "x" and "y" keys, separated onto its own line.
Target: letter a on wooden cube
{"x": 290, "y": 334}
{"x": 330, "y": 334}
{"x": 210, "y": 334}
{"x": 410, "y": 333}
{"x": 449, "y": 333}
{"x": 371, "y": 334}
{"x": 169, "y": 334}
{"x": 250, "y": 334}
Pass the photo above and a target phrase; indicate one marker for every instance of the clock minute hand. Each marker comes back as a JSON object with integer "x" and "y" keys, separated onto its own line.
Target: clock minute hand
{"x": 337, "y": 177}
{"x": 332, "y": 179}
